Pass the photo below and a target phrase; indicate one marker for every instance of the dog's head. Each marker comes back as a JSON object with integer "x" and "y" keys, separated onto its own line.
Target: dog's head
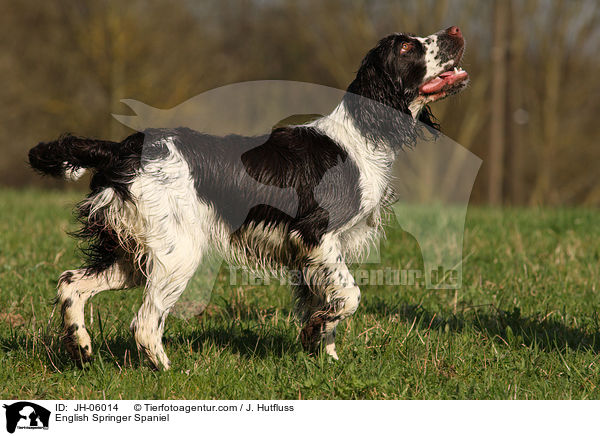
{"x": 408, "y": 72}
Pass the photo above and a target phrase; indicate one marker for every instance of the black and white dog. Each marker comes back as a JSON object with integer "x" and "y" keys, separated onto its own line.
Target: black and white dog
{"x": 305, "y": 198}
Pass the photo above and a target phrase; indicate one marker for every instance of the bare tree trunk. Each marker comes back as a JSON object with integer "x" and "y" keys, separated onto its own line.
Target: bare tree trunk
{"x": 542, "y": 191}
{"x": 515, "y": 158}
{"x": 498, "y": 103}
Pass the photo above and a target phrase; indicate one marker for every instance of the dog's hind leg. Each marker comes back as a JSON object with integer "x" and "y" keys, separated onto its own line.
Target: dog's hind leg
{"x": 75, "y": 287}
{"x": 170, "y": 270}
{"x": 327, "y": 295}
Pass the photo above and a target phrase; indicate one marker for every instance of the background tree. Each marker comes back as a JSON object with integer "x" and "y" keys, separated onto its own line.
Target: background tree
{"x": 65, "y": 66}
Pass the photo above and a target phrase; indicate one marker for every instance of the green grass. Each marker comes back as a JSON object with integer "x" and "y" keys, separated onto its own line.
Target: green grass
{"x": 524, "y": 324}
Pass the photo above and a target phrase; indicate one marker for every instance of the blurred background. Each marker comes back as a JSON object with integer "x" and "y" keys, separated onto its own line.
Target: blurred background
{"x": 530, "y": 112}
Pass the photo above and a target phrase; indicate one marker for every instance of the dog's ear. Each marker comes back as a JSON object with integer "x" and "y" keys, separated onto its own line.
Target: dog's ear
{"x": 427, "y": 117}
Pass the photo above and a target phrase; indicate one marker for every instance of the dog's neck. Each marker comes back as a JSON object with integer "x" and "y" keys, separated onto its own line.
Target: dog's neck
{"x": 341, "y": 126}
{"x": 382, "y": 124}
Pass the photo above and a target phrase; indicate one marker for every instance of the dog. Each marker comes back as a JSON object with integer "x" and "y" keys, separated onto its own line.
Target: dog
{"x": 305, "y": 198}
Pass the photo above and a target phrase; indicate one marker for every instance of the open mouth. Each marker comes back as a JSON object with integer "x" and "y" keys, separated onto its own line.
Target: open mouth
{"x": 445, "y": 83}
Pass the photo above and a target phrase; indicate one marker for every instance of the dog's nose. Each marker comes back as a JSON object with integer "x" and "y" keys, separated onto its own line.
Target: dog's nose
{"x": 454, "y": 31}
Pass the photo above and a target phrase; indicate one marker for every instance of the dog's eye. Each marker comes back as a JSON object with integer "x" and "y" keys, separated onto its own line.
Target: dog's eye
{"x": 406, "y": 46}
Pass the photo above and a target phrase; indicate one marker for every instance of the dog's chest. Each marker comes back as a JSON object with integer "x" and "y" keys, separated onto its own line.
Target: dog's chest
{"x": 373, "y": 178}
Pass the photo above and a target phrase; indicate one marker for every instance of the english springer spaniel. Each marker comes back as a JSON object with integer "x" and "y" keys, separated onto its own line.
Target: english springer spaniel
{"x": 303, "y": 198}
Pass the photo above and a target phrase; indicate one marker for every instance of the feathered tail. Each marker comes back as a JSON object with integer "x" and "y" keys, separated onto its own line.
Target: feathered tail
{"x": 70, "y": 156}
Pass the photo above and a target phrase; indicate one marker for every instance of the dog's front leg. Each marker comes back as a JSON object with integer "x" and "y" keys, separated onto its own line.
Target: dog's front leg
{"x": 327, "y": 295}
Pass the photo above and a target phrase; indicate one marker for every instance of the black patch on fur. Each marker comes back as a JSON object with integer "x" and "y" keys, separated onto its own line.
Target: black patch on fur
{"x": 66, "y": 304}
{"x": 451, "y": 47}
{"x": 78, "y": 353}
{"x": 120, "y": 166}
{"x": 312, "y": 333}
{"x": 66, "y": 278}
{"x": 52, "y": 158}
{"x": 295, "y": 176}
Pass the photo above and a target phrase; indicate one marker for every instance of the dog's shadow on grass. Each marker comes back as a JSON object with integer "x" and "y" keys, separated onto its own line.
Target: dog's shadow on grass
{"x": 250, "y": 335}
{"x": 504, "y": 326}
{"x": 251, "y": 339}
{"x": 263, "y": 341}
{"x": 255, "y": 342}
{"x": 247, "y": 341}
{"x": 119, "y": 351}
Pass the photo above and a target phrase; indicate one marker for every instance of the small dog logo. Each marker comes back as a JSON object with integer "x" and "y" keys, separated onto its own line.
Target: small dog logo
{"x": 26, "y": 415}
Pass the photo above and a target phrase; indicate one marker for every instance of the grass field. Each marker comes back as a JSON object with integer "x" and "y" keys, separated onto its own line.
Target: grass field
{"x": 524, "y": 325}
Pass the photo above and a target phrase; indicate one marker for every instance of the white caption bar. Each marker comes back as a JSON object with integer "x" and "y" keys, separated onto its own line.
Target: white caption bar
{"x": 298, "y": 417}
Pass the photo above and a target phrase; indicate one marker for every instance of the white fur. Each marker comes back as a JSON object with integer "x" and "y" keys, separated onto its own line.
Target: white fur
{"x": 75, "y": 288}
{"x": 175, "y": 235}
{"x": 73, "y": 174}
{"x": 433, "y": 66}
{"x": 417, "y": 105}
{"x": 340, "y": 293}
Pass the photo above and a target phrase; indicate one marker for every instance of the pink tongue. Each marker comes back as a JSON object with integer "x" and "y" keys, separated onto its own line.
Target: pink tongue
{"x": 433, "y": 85}
{"x": 447, "y": 78}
